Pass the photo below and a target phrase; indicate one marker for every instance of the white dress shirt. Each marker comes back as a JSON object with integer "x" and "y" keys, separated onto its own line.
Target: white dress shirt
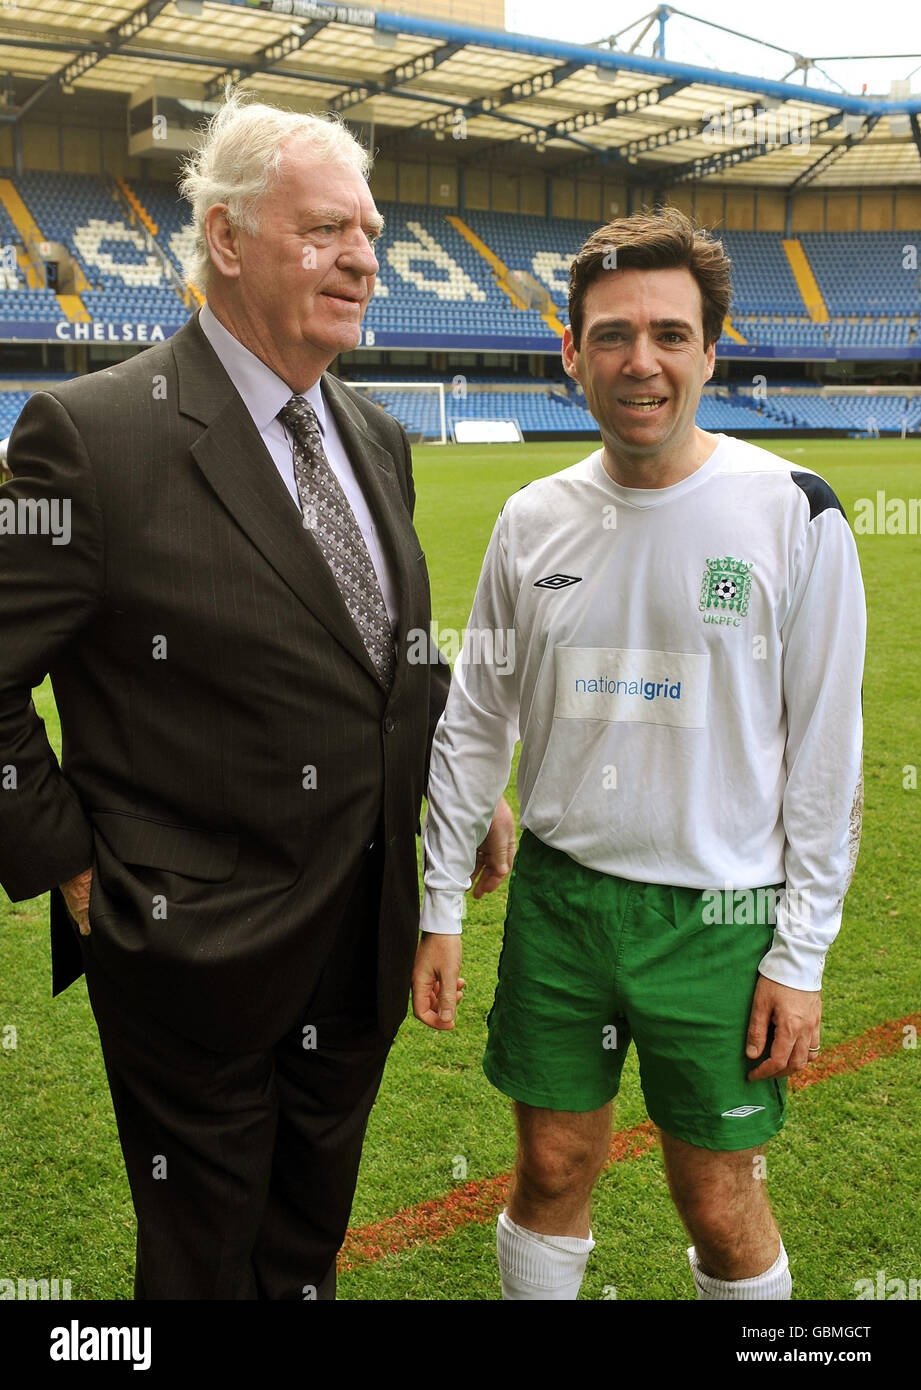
{"x": 264, "y": 394}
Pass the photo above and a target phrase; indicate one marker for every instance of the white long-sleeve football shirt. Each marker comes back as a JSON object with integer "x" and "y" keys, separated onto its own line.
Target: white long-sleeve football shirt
{"x": 684, "y": 668}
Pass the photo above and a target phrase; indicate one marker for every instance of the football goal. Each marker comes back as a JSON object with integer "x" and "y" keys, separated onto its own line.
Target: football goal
{"x": 418, "y": 405}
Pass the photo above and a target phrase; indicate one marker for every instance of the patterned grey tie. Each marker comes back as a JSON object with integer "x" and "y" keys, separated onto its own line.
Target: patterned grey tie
{"x": 328, "y": 514}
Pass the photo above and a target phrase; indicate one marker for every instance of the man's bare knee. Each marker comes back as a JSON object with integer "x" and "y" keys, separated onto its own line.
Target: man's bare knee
{"x": 560, "y": 1153}
{"x": 548, "y": 1173}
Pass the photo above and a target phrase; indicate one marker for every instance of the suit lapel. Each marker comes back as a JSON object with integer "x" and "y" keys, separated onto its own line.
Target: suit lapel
{"x": 241, "y": 471}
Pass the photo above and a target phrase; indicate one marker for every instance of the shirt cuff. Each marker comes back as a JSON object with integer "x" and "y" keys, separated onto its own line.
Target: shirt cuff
{"x": 442, "y": 913}
{"x": 797, "y": 965}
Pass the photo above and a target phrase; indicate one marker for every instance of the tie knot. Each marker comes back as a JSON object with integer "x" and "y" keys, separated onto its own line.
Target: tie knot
{"x": 300, "y": 418}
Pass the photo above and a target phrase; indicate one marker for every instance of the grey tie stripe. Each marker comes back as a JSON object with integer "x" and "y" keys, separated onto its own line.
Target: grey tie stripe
{"x": 328, "y": 514}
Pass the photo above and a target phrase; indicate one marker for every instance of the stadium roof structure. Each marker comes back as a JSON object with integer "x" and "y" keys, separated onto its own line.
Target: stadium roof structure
{"x": 513, "y": 99}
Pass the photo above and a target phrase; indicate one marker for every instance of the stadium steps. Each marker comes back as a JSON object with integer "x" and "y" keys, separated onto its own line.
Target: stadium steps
{"x": 73, "y": 308}
{"x": 806, "y": 282}
{"x": 732, "y": 333}
{"x": 499, "y": 268}
{"x": 28, "y": 229}
{"x": 131, "y": 207}
{"x": 192, "y": 296}
{"x": 553, "y": 323}
{"x": 134, "y": 202}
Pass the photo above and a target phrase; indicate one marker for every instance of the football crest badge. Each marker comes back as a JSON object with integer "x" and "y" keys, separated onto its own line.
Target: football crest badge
{"x": 725, "y": 590}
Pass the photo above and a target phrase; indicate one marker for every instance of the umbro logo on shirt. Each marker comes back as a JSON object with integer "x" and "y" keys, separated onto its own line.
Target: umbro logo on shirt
{"x": 742, "y": 1112}
{"x": 558, "y": 581}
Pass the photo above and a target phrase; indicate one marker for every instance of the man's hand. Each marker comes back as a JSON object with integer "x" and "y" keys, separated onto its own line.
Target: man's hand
{"x": 77, "y": 897}
{"x": 437, "y": 986}
{"x": 796, "y": 1015}
{"x": 496, "y": 855}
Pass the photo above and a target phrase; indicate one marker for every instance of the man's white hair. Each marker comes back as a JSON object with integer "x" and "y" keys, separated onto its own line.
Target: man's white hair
{"x": 241, "y": 155}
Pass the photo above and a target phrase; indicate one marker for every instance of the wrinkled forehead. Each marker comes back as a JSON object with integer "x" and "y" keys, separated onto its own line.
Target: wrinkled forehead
{"x": 305, "y": 182}
{"x": 642, "y": 297}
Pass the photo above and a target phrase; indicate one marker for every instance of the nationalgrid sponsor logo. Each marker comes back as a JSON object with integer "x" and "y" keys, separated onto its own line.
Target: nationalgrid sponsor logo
{"x": 648, "y": 689}
{"x": 632, "y": 685}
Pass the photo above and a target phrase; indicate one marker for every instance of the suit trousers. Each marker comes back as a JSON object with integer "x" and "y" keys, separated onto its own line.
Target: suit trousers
{"x": 242, "y": 1168}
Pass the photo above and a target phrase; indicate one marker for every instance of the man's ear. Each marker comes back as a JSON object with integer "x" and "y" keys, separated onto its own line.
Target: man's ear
{"x": 710, "y": 355}
{"x": 568, "y": 353}
{"x": 223, "y": 241}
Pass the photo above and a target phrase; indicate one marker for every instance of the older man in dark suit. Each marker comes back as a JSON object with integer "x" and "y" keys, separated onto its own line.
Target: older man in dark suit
{"x": 245, "y": 737}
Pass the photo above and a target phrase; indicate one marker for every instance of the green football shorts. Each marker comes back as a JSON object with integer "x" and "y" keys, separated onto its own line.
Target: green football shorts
{"x": 590, "y": 962}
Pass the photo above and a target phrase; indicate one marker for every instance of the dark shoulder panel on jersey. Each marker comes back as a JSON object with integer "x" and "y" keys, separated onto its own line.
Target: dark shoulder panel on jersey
{"x": 508, "y": 499}
{"x": 818, "y": 493}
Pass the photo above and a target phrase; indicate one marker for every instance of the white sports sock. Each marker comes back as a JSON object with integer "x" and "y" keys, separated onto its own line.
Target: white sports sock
{"x": 534, "y": 1266}
{"x": 774, "y": 1283}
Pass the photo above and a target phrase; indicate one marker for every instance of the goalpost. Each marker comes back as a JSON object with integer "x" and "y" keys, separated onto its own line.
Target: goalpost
{"x": 432, "y": 421}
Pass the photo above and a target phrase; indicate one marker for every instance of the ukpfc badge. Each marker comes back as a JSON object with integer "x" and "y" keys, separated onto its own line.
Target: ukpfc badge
{"x": 726, "y": 586}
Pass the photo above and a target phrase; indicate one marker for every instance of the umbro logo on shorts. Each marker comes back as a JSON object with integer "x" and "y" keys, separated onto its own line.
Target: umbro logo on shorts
{"x": 742, "y": 1112}
{"x": 558, "y": 581}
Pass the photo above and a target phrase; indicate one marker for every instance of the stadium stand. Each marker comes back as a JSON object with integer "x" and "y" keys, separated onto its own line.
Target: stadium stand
{"x": 434, "y": 284}
{"x": 28, "y": 306}
{"x": 762, "y": 281}
{"x": 444, "y": 285}
{"x": 126, "y": 278}
{"x": 438, "y": 285}
{"x": 861, "y": 272}
{"x": 541, "y": 246}
{"x": 10, "y": 276}
{"x": 548, "y": 407}
{"x": 170, "y": 214}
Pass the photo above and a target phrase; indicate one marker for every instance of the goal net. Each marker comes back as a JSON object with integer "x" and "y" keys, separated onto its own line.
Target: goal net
{"x": 418, "y": 405}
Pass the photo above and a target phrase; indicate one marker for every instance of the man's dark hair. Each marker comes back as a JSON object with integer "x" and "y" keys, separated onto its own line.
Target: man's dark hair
{"x": 663, "y": 240}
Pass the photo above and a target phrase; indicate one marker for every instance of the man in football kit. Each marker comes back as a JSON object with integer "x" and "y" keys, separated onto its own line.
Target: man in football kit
{"x": 689, "y": 626}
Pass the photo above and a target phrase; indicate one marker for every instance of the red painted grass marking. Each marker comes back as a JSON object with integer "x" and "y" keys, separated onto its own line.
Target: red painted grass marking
{"x": 877, "y": 1042}
{"x": 482, "y": 1200}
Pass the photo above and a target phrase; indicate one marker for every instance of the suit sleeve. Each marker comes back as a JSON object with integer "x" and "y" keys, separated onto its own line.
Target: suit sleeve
{"x": 51, "y": 583}
{"x": 440, "y": 671}
{"x": 823, "y": 635}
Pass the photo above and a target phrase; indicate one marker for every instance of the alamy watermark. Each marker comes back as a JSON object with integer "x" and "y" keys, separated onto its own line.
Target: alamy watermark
{"x": 36, "y": 516}
{"x": 885, "y": 1287}
{"x": 40, "y": 1289}
{"x": 756, "y": 907}
{"x": 755, "y": 125}
{"x": 482, "y": 646}
{"x": 887, "y": 516}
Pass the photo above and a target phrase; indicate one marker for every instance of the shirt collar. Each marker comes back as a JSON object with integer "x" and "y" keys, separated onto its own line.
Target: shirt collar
{"x": 263, "y": 393}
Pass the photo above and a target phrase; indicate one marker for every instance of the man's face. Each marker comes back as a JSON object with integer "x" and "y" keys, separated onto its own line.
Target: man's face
{"x": 642, "y": 362}
{"x": 306, "y": 278}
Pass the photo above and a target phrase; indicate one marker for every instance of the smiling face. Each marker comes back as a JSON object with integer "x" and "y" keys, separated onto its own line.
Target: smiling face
{"x": 296, "y": 292}
{"x": 642, "y": 365}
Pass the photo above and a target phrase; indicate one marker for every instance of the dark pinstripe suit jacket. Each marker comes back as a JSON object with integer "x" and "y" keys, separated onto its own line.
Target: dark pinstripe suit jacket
{"x": 203, "y": 664}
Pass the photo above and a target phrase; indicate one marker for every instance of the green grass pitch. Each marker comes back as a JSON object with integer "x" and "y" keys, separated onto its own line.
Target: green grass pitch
{"x": 845, "y": 1172}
